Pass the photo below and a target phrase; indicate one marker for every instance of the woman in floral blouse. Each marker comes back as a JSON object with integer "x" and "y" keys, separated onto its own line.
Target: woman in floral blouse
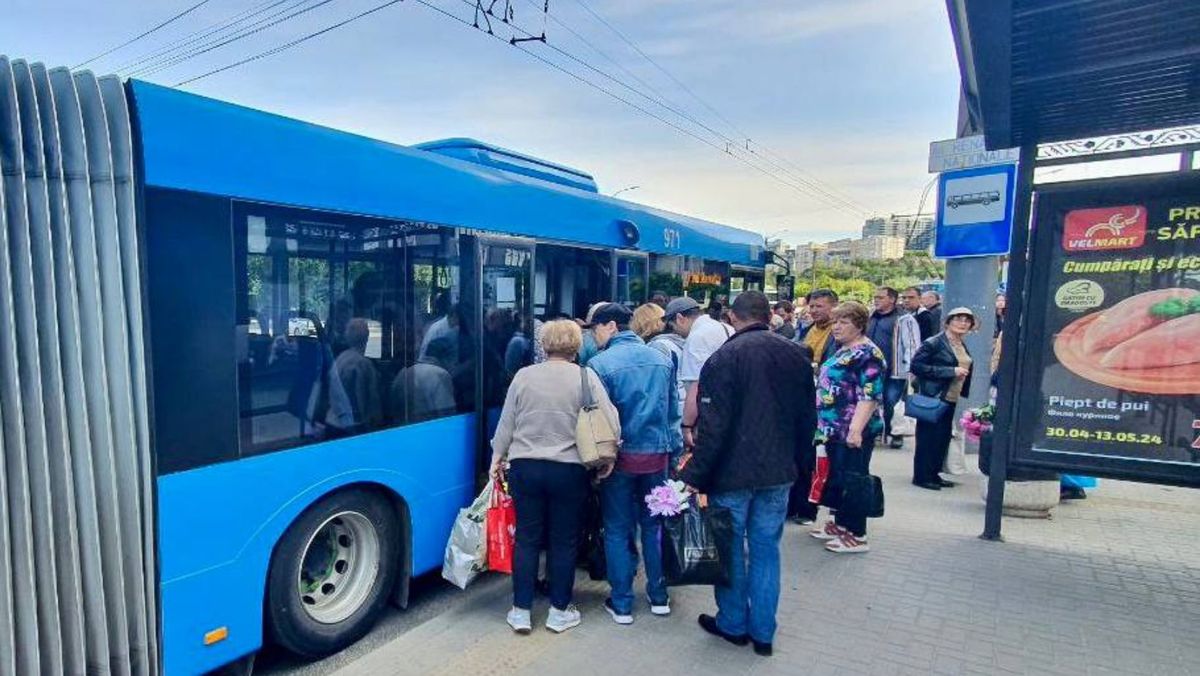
{"x": 849, "y": 394}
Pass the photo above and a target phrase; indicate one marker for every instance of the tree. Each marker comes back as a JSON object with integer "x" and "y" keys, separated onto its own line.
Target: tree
{"x": 856, "y": 280}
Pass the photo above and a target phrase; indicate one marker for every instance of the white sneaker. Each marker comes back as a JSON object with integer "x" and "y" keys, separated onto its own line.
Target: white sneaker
{"x": 518, "y": 619}
{"x": 830, "y": 531}
{"x": 848, "y": 543}
{"x": 660, "y": 610}
{"x": 626, "y": 618}
{"x": 562, "y": 620}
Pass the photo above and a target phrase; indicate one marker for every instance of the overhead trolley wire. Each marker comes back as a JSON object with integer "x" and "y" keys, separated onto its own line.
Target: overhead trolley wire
{"x": 135, "y": 38}
{"x": 252, "y": 29}
{"x": 830, "y": 190}
{"x": 289, "y": 45}
{"x": 729, "y": 148}
{"x": 784, "y": 180}
{"x": 731, "y": 144}
{"x": 198, "y": 35}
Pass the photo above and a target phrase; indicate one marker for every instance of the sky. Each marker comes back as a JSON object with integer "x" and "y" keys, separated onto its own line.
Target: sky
{"x": 842, "y": 94}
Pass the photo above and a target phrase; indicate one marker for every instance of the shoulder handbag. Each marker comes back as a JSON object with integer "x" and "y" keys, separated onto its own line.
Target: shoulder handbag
{"x": 594, "y": 436}
{"x": 925, "y": 408}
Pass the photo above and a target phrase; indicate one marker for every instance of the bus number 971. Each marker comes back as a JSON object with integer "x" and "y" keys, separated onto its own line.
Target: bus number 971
{"x": 670, "y": 238}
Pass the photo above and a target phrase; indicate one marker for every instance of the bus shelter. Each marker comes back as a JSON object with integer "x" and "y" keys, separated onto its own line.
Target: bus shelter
{"x": 1100, "y": 362}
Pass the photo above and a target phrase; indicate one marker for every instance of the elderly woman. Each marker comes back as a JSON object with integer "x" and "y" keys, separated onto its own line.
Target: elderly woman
{"x": 547, "y": 479}
{"x": 943, "y": 369}
{"x": 647, "y": 321}
{"x": 849, "y": 395}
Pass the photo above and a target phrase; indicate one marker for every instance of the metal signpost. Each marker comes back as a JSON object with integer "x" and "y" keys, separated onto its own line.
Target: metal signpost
{"x": 972, "y": 229}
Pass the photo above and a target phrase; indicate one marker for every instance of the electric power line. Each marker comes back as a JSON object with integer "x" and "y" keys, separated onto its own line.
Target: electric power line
{"x": 802, "y": 187}
{"x": 196, "y": 36}
{"x": 289, "y": 45}
{"x": 701, "y": 101}
{"x": 730, "y": 144}
{"x": 618, "y": 97}
{"x": 253, "y": 29}
{"x": 135, "y": 38}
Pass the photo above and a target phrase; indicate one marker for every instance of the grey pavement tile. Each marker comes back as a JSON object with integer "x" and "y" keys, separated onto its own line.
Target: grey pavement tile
{"x": 1106, "y": 587}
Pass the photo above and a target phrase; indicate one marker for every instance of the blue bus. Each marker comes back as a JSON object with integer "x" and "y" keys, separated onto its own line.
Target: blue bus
{"x": 258, "y": 360}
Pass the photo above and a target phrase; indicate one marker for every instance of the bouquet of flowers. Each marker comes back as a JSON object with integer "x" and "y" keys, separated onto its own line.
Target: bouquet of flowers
{"x": 976, "y": 421}
{"x": 669, "y": 499}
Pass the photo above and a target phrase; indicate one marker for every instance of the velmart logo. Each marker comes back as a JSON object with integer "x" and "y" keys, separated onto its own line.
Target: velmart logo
{"x": 1107, "y": 228}
{"x": 1078, "y": 295}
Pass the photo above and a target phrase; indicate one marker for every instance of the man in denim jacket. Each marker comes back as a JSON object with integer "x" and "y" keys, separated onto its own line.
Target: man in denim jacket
{"x": 641, "y": 383}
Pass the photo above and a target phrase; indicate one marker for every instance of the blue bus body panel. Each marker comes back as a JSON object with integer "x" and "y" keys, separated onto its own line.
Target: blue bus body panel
{"x": 219, "y": 524}
{"x": 195, "y": 143}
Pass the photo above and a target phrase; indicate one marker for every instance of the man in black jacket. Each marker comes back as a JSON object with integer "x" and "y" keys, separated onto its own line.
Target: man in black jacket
{"x": 757, "y": 409}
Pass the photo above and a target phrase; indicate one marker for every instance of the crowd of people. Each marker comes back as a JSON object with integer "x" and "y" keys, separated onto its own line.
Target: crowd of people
{"x": 734, "y": 402}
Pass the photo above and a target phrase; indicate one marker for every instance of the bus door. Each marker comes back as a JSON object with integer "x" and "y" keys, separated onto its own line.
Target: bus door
{"x": 568, "y": 280}
{"x": 630, "y": 278}
{"x": 506, "y": 335}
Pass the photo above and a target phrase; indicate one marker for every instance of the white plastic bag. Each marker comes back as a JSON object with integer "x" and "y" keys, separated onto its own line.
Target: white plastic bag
{"x": 466, "y": 551}
{"x": 902, "y": 425}
{"x": 956, "y": 457}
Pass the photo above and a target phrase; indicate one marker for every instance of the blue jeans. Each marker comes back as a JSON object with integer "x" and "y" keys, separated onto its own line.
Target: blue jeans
{"x": 748, "y": 604}
{"x": 623, "y": 501}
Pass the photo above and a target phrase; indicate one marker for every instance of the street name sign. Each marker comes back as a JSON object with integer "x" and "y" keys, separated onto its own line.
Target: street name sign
{"x": 966, "y": 153}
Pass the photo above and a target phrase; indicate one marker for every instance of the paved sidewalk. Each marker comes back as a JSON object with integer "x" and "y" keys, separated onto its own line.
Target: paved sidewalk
{"x": 1110, "y": 585}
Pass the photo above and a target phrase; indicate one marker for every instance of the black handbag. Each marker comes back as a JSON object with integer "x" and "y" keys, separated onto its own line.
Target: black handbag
{"x": 697, "y": 546}
{"x": 925, "y": 408}
{"x": 863, "y": 494}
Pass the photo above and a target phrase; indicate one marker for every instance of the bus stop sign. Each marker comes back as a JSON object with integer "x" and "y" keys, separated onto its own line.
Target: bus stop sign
{"x": 975, "y": 211}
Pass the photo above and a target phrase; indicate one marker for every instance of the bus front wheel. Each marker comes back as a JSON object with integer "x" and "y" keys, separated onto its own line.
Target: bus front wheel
{"x": 331, "y": 573}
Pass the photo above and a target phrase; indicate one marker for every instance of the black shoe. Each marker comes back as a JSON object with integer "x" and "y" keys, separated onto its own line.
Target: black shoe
{"x": 763, "y": 649}
{"x": 709, "y": 623}
{"x": 946, "y": 484}
{"x": 928, "y": 485}
{"x": 1073, "y": 493}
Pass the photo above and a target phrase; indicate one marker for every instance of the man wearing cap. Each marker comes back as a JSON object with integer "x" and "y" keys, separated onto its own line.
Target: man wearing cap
{"x": 680, "y": 313}
{"x": 705, "y": 336}
{"x": 640, "y": 381}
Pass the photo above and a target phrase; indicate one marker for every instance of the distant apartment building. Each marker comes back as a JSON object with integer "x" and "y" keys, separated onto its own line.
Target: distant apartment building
{"x": 838, "y": 251}
{"x": 808, "y": 255}
{"x": 877, "y": 248}
{"x": 918, "y": 231}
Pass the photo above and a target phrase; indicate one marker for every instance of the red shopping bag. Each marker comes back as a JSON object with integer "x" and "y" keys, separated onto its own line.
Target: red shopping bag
{"x": 820, "y": 476}
{"x": 501, "y": 531}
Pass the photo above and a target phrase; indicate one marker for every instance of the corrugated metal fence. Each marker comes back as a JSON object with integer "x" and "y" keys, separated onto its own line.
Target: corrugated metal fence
{"x": 77, "y": 565}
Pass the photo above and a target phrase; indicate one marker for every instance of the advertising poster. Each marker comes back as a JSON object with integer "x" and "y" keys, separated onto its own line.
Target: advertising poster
{"x": 1114, "y": 326}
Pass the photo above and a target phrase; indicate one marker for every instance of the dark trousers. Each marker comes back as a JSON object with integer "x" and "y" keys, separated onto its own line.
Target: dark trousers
{"x": 933, "y": 443}
{"x": 844, "y": 461}
{"x": 798, "y": 504}
{"x": 549, "y": 498}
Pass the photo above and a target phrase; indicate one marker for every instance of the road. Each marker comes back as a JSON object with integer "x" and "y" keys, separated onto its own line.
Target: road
{"x": 1108, "y": 586}
{"x": 429, "y": 597}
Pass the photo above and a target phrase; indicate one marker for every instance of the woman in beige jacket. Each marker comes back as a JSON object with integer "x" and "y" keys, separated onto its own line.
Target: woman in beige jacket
{"x": 547, "y": 479}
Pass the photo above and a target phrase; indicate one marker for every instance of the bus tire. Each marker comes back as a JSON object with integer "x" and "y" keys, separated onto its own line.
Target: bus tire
{"x": 332, "y": 572}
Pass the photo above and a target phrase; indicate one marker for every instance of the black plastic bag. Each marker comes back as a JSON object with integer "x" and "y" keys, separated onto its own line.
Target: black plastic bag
{"x": 697, "y": 546}
{"x": 591, "y": 545}
{"x": 862, "y": 494}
